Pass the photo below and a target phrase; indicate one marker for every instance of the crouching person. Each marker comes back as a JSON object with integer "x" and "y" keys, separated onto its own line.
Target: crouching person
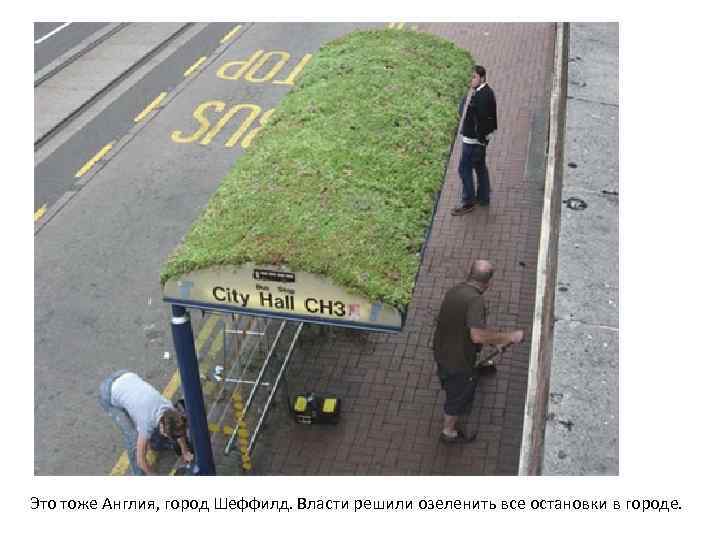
{"x": 145, "y": 418}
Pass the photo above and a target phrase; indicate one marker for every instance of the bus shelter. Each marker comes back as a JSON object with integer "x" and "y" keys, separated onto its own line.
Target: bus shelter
{"x": 259, "y": 291}
{"x": 324, "y": 219}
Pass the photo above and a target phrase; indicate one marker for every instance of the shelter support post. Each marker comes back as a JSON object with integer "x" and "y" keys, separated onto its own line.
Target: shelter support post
{"x": 192, "y": 388}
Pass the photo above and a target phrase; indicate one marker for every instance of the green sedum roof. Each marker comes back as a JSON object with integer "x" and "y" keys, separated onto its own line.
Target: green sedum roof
{"x": 342, "y": 180}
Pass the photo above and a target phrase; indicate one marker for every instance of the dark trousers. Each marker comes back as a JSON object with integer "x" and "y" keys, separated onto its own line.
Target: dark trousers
{"x": 459, "y": 386}
{"x": 473, "y": 159}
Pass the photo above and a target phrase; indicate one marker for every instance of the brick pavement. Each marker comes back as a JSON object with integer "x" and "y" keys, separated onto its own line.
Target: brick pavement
{"x": 392, "y": 401}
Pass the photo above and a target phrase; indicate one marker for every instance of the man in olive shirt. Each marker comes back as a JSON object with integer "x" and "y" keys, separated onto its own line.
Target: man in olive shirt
{"x": 461, "y": 331}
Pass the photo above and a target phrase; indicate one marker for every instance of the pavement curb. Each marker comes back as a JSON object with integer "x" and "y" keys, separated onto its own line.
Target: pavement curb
{"x": 92, "y": 99}
{"x": 76, "y": 52}
{"x": 125, "y": 139}
{"x": 531, "y": 449}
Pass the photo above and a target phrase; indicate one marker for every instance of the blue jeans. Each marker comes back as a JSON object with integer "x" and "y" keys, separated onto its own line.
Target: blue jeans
{"x": 122, "y": 420}
{"x": 473, "y": 158}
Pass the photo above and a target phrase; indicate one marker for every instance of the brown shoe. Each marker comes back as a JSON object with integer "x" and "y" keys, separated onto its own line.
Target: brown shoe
{"x": 464, "y": 209}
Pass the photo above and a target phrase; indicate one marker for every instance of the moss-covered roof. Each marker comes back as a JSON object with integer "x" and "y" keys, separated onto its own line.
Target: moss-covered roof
{"x": 342, "y": 180}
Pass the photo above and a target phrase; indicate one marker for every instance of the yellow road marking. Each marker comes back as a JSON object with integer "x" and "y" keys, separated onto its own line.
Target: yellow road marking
{"x": 85, "y": 168}
{"x": 297, "y": 69}
{"x": 231, "y": 33}
{"x": 195, "y": 66}
{"x": 40, "y": 212}
{"x": 150, "y": 107}
{"x": 206, "y": 330}
{"x": 122, "y": 463}
{"x": 121, "y": 466}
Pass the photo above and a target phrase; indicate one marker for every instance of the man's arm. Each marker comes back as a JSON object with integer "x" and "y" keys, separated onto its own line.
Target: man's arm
{"x": 485, "y": 336}
{"x": 493, "y": 112}
{"x": 187, "y": 455}
{"x": 462, "y": 105}
{"x": 141, "y": 454}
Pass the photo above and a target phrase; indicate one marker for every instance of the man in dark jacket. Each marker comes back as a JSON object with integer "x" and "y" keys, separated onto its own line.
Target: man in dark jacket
{"x": 480, "y": 120}
{"x": 461, "y": 330}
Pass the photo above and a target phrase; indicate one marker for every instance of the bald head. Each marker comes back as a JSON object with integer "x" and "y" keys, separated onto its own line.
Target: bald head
{"x": 481, "y": 272}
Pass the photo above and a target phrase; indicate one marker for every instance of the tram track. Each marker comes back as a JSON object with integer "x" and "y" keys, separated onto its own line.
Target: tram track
{"x": 110, "y": 86}
{"x": 110, "y": 115}
{"x": 82, "y": 49}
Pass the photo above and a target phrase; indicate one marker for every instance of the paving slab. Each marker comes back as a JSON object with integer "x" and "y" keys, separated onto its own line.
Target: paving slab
{"x": 594, "y": 62}
{"x": 588, "y": 283}
{"x": 582, "y": 428}
{"x": 582, "y": 432}
{"x": 592, "y": 148}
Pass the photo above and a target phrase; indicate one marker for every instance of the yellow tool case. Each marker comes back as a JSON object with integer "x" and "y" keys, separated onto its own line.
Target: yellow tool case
{"x": 311, "y": 408}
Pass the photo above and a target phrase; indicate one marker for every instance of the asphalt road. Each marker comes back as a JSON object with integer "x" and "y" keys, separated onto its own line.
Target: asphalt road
{"x": 56, "y": 174}
{"x": 97, "y": 261}
{"x": 50, "y": 46}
